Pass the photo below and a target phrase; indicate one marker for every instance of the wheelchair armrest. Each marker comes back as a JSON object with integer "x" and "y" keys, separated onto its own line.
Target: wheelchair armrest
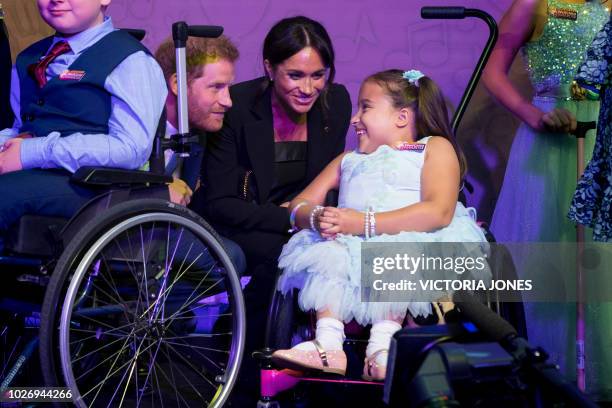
{"x": 105, "y": 176}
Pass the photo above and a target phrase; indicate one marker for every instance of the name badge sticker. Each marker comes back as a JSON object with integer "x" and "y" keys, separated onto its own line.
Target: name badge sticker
{"x": 563, "y": 13}
{"x": 69, "y": 75}
{"x": 412, "y": 147}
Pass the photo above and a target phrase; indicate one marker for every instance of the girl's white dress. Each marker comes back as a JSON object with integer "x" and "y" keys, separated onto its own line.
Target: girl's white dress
{"x": 328, "y": 272}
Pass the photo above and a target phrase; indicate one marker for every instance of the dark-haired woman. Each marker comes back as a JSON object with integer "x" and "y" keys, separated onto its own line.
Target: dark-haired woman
{"x": 282, "y": 130}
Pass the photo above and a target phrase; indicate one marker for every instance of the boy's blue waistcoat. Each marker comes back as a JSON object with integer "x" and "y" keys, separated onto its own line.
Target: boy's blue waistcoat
{"x": 72, "y": 105}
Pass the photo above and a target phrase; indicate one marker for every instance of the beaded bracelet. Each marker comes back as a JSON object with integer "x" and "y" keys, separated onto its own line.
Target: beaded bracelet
{"x": 313, "y": 214}
{"x": 372, "y": 224}
{"x": 366, "y": 224}
{"x": 295, "y": 228}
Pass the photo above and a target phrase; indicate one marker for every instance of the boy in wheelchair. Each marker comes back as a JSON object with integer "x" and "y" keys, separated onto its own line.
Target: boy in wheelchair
{"x": 39, "y": 153}
{"x": 96, "y": 100}
{"x": 90, "y": 95}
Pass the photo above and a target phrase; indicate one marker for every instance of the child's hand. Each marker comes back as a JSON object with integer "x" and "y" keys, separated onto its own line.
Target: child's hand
{"x": 10, "y": 156}
{"x": 340, "y": 221}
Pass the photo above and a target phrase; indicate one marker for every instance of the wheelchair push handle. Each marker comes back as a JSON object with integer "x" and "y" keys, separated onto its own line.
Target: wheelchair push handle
{"x": 582, "y": 128}
{"x": 443, "y": 13}
{"x": 458, "y": 13}
{"x": 454, "y": 13}
{"x": 181, "y": 31}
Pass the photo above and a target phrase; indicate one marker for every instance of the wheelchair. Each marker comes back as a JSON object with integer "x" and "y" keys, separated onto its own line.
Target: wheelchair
{"x": 132, "y": 302}
{"x": 288, "y": 327}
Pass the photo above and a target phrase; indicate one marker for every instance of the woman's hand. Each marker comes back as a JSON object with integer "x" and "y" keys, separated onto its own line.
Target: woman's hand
{"x": 334, "y": 221}
{"x": 558, "y": 120}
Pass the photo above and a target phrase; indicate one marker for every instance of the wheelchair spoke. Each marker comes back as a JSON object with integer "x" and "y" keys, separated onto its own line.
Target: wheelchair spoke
{"x": 117, "y": 354}
{"x": 109, "y": 332}
{"x": 130, "y": 263}
{"x": 97, "y": 350}
{"x": 133, "y": 272}
{"x": 191, "y": 301}
{"x": 95, "y": 321}
{"x": 196, "y": 308}
{"x": 183, "y": 317}
{"x": 172, "y": 382}
{"x": 144, "y": 267}
{"x": 195, "y": 349}
{"x": 111, "y": 297}
{"x": 202, "y": 279}
{"x": 171, "y": 373}
{"x": 156, "y": 378}
{"x": 191, "y": 346}
{"x": 195, "y": 370}
{"x": 100, "y": 384}
{"x": 117, "y": 300}
{"x": 144, "y": 387}
{"x": 167, "y": 269}
{"x": 133, "y": 370}
{"x": 112, "y": 284}
{"x": 169, "y": 266}
{"x": 132, "y": 363}
{"x": 195, "y": 335}
{"x": 178, "y": 276}
{"x": 160, "y": 297}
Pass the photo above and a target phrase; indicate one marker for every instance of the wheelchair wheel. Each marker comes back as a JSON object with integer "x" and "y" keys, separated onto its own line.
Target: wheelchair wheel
{"x": 144, "y": 308}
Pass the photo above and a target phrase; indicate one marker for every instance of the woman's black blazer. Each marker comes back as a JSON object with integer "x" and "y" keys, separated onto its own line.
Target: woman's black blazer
{"x": 246, "y": 143}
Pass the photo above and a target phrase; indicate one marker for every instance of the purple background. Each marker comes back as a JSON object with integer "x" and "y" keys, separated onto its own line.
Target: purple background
{"x": 368, "y": 36}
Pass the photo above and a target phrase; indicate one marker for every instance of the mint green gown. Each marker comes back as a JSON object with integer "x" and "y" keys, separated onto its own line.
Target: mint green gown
{"x": 540, "y": 181}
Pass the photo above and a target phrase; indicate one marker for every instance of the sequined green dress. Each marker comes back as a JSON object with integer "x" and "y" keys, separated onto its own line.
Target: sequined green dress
{"x": 540, "y": 176}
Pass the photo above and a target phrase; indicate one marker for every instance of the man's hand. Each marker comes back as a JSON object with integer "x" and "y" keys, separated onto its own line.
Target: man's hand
{"x": 10, "y": 156}
{"x": 180, "y": 193}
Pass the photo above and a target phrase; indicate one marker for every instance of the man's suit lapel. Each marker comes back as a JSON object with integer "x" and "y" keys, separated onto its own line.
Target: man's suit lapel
{"x": 259, "y": 139}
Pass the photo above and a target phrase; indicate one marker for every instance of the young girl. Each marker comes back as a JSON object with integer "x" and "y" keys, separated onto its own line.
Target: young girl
{"x": 400, "y": 186}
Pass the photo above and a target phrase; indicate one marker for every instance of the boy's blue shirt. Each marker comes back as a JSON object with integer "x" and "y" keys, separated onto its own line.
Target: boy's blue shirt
{"x": 138, "y": 93}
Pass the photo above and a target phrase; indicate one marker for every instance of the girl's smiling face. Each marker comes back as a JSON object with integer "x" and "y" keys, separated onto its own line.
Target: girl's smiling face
{"x": 377, "y": 121}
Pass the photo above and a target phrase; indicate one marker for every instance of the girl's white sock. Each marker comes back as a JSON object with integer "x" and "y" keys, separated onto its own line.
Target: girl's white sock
{"x": 380, "y": 338}
{"x": 329, "y": 333}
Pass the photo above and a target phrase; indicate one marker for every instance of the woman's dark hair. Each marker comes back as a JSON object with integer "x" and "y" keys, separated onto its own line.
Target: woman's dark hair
{"x": 428, "y": 103}
{"x": 290, "y": 35}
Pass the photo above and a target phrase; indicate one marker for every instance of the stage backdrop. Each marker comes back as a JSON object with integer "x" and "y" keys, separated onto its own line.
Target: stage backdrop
{"x": 368, "y": 36}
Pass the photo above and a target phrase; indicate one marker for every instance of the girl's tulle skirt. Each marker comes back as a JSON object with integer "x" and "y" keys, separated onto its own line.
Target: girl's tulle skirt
{"x": 328, "y": 272}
